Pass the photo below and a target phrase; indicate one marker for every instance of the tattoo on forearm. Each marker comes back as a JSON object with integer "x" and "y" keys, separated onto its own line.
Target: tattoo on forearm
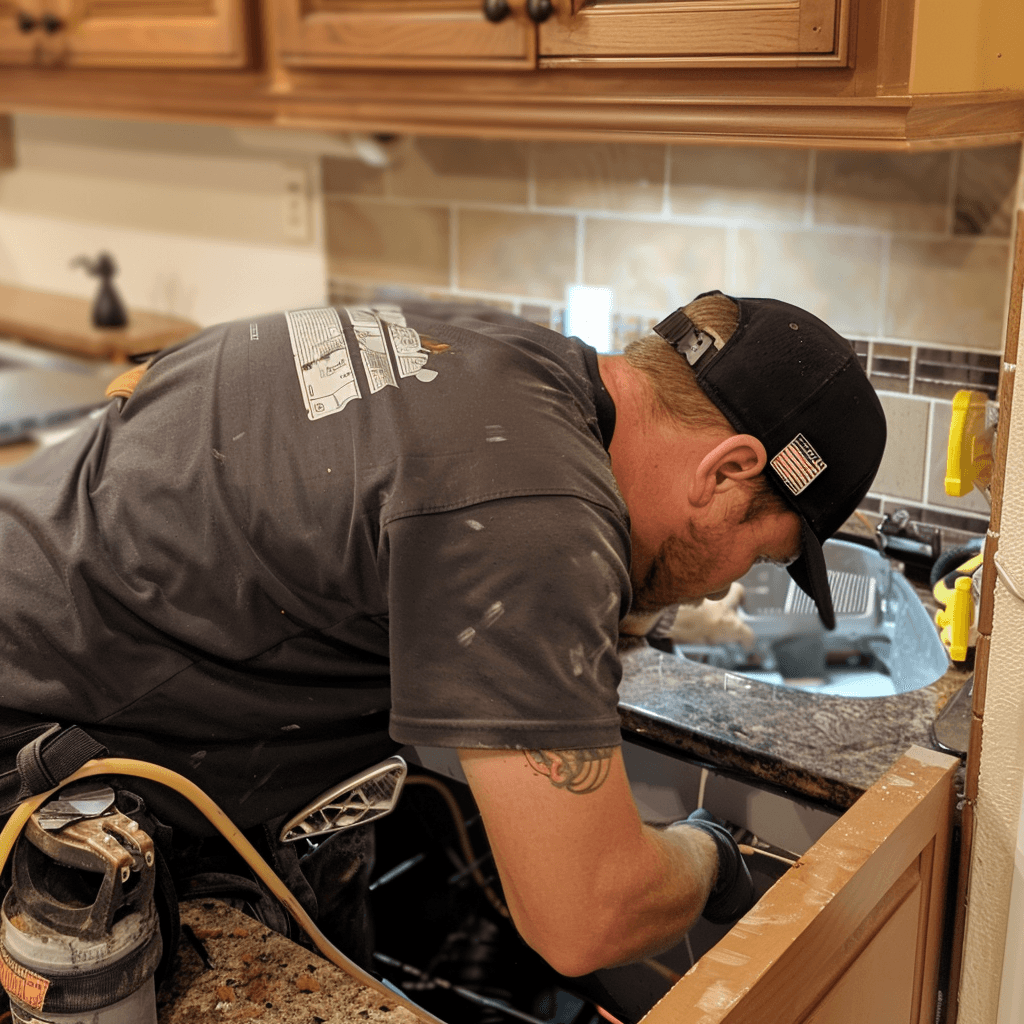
{"x": 578, "y": 771}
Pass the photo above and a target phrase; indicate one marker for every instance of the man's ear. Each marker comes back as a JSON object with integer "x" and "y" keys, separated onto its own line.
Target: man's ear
{"x": 737, "y": 458}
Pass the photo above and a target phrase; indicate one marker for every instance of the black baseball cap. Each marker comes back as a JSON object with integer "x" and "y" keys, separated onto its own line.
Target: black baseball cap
{"x": 795, "y": 384}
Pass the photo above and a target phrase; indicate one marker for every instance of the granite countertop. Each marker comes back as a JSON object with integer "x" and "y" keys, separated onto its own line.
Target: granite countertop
{"x": 229, "y": 967}
{"x": 826, "y": 748}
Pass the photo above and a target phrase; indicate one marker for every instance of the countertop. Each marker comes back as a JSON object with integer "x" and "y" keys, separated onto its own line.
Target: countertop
{"x": 826, "y": 748}
{"x": 65, "y": 322}
{"x": 230, "y": 967}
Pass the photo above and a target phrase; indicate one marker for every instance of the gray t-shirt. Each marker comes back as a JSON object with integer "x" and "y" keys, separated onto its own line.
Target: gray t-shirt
{"x": 311, "y": 537}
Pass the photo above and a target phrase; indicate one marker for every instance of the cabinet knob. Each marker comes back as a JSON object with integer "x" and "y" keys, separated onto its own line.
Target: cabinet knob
{"x": 26, "y": 23}
{"x": 539, "y": 10}
{"x": 51, "y": 23}
{"x": 496, "y": 10}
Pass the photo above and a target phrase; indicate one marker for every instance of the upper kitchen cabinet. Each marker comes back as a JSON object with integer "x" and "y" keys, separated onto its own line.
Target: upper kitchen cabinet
{"x": 17, "y": 17}
{"x": 550, "y": 33}
{"x": 124, "y": 33}
{"x": 404, "y": 34}
{"x": 686, "y": 33}
{"x": 851, "y": 74}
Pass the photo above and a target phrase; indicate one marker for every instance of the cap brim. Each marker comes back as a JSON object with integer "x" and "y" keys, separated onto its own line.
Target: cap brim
{"x": 811, "y": 575}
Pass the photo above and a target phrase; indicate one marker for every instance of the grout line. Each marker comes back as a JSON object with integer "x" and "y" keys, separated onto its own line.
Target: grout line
{"x": 954, "y": 172}
{"x": 883, "y": 282}
{"x": 929, "y": 437}
{"x": 666, "y": 189}
{"x": 660, "y": 217}
{"x": 812, "y": 181}
{"x": 580, "y": 239}
{"x": 531, "y": 176}
{"x": 453, "y": 247}
{"x": 732, "y": 256}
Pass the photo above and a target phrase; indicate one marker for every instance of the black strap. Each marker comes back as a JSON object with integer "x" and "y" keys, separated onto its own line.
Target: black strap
{"x": 38, "y": 757}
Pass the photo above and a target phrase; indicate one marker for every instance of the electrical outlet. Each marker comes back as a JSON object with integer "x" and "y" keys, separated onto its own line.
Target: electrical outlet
{"x": 296, "y": 203}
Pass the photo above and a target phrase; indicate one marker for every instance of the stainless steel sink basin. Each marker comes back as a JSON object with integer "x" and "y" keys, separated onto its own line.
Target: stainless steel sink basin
{"x": 885, "y": 641}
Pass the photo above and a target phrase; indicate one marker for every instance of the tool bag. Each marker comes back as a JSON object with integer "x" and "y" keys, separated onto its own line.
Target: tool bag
{"x": 35, "y": 757}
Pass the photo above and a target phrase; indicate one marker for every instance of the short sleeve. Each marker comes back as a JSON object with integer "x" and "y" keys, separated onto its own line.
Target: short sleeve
{"x": 503, "y": 624}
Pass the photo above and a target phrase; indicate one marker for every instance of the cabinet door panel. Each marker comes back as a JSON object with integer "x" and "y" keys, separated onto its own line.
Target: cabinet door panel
{"x": 17, "y": 44}
{"x": 853, "y": 931}
{"x": 685, "y": 32}
{"x": 409, "y": 33}
{"x": 145, "y": 33}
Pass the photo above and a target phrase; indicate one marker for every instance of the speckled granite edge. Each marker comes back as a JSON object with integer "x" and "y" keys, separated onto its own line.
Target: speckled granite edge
{"x": 828, "y": 749}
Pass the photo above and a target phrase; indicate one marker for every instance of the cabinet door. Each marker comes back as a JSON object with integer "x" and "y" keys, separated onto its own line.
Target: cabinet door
{"x": 684, "y": 33}
{"x": 853, "y": 931}
{"x": 18, "y": 19}
{"x": 401, "y": 33}
{"x": 142, "y": 33}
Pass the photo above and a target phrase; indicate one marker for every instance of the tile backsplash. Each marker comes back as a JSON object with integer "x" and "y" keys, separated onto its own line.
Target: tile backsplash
{"x": 906, "y": 254}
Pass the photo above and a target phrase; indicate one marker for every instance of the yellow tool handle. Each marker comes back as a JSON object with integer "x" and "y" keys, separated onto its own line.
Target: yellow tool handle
{"x": 956, "y": 618}
{"x": 969, "y": 451}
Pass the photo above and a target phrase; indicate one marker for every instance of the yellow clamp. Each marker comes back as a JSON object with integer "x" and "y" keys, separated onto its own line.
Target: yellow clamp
{"x": 969, "y": 451}
{"x": 955, "y": 619}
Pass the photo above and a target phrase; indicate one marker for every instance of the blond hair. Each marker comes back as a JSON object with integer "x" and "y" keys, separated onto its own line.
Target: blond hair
{"x": 678, "y": 397}
{"x": 674, "y": 388}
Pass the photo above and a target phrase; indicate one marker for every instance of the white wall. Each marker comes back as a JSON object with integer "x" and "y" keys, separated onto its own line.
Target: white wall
{"x": 194, "y": 219}
{"x": 993, "y": 914}
{"x": 1011, "y": 995}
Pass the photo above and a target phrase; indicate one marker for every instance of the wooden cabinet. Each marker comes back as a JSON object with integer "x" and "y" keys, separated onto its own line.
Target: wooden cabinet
{"x": 685, "y": 33}
{"x": 400, "y": 33}
{"x": 850, "y": 74}
{"x": 852, "y": 932}
{"x": 123, "y": 33}
{"x": 17, "y": 45}
{"x": 638, "y": 33}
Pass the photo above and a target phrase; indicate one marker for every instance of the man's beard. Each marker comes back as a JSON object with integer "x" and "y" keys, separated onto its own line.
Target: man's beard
{"x": 678, "y": 573}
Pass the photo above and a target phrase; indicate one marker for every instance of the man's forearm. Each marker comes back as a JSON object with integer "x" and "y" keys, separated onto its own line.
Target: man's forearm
{"x": 659, "y": 899}
{"x": 587, "y": 883}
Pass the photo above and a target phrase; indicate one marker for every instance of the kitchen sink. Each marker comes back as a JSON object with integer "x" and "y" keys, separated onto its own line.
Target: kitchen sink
{"x": 884, "y": 643}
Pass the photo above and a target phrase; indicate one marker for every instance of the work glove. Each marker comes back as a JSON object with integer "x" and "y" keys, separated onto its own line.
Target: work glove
{"x": 733, "y": 894}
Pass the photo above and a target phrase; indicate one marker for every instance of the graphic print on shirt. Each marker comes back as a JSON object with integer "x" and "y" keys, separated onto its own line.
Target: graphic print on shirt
{"x": 325, "y": 370}
{"x": 410, "y": 356}
{"x": 372, "y": 349}
{"x": 323, "y": 362}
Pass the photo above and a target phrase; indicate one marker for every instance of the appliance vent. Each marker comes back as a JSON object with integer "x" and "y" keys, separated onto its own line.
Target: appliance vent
{"x": 853, "y": 594}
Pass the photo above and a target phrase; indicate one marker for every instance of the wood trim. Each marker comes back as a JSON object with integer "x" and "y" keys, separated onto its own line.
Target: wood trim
{"x": 895, "y": 56}
{"x": 810, "y": 108}
{"x": 1005, "y": 394}
{"x": 778, "y": 963}
{"x": 6, "y": 143}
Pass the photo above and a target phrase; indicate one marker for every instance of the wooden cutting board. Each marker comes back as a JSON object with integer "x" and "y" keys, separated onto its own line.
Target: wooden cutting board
{"x": 64, "y": 322}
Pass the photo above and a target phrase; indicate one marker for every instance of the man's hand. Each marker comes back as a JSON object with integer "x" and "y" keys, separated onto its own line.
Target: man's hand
{"x": 733, "y": 894}
{"x": 587, "y": 883}
{"x": 712, "y": 622}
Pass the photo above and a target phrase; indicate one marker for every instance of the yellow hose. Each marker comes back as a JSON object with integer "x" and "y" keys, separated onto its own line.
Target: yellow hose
{"x": 230, "y": 831}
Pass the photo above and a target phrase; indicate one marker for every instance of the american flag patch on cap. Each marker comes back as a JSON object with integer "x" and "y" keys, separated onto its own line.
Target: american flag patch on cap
{"x": 798, "y": 464}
